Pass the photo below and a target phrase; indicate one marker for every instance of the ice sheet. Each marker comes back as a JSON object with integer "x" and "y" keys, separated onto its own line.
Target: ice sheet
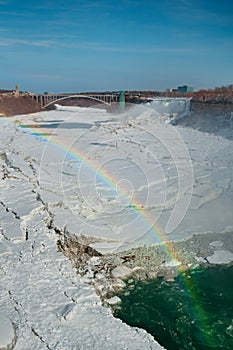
{"x": 126, "y": 180}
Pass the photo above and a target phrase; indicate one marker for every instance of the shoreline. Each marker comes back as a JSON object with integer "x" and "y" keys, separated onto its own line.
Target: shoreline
{"x": 108, "y": 272}
{"x": 12, "y": 104}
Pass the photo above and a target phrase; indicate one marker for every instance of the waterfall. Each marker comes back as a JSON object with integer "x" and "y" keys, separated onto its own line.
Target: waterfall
{"x": 170, "y": 109}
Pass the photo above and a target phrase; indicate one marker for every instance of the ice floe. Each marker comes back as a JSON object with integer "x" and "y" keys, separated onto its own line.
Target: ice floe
{"x": 122, "y": 182}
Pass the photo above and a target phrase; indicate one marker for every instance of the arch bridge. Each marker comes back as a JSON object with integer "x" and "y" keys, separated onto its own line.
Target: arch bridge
{"x": 46, "y": 100}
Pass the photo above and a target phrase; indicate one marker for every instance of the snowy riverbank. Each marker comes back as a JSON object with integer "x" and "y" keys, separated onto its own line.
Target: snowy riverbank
{"x": 113, "y": 182}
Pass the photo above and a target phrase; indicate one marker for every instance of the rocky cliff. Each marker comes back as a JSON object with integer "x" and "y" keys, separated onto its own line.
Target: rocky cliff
{"x": 11, "y": 104}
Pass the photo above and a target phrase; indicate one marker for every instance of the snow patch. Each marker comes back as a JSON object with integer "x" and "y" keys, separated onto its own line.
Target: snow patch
{"x": 220, "y": 257}
{"x": 7, "y": 333}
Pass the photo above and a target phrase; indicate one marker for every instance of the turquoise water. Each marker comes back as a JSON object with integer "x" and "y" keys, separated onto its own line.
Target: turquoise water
{"x": 195, "y": 311}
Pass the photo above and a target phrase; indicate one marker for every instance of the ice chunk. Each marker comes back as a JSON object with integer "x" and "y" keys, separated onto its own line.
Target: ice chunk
{"x": 113, "y": 301}
{"x": 121, "y": 271}
{"x": 220, "y": 257}
{"x": 216, "y": 244}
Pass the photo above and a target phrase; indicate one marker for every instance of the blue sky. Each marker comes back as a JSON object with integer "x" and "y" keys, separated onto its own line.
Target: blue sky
{"x": 68, "y": 45}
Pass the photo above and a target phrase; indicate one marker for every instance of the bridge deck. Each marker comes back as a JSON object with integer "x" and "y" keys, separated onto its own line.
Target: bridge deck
{"x": 48, "y": 99}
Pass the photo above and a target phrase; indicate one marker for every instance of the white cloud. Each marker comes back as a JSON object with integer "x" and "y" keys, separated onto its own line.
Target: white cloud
{"x": 16, "y": 14}
{"x": 11, "y": 42}
{"x": 94, "y": 46}
{"x": 122, "y": 49}
{"x": 43, "y": 76}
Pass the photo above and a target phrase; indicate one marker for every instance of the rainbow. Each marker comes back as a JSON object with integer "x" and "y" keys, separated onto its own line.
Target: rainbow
{"x": 107, "y": 178}
{"x": 139, "y": 210}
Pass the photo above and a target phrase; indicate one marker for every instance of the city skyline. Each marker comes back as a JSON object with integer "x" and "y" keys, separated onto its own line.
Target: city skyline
{"x": 106, "y": 45}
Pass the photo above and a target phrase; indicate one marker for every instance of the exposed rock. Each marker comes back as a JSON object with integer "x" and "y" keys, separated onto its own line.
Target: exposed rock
{"x": 13, "y": 105}
{"x": 107, "y": 272}
{"x": 77, "y": 249}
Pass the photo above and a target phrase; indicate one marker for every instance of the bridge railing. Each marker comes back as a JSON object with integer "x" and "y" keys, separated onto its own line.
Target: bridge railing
{"x": 48, "y": 99}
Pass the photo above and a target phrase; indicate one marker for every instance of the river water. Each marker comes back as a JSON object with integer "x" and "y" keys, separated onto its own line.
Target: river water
{"x": 193, "y": 312}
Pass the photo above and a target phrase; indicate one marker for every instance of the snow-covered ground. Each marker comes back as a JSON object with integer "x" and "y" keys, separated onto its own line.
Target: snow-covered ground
{"x": 122, "y": 180}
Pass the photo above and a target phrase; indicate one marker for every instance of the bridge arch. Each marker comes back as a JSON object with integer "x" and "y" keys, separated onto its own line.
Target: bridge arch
{"x": 77, "y": 96}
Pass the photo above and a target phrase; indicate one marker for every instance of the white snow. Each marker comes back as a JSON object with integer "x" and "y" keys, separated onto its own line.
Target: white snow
{"x": 7, "y": 333}
{"x": 172, "y": 263}
{"x": 170, "y": 108}
{"x": 50, "y": 306}
{"x": 127, "y": 180}
{"x": 216, "y": 244}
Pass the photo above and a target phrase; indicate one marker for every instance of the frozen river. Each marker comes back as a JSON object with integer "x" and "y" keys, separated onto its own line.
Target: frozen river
{"x": 117, "y": 180}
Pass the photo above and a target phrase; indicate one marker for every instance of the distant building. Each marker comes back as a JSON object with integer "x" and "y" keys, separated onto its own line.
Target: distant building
{"x": 185, "y": 88}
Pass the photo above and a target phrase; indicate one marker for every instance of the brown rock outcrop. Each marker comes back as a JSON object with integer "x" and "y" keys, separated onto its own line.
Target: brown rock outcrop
{"x": 13, "y": 105}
